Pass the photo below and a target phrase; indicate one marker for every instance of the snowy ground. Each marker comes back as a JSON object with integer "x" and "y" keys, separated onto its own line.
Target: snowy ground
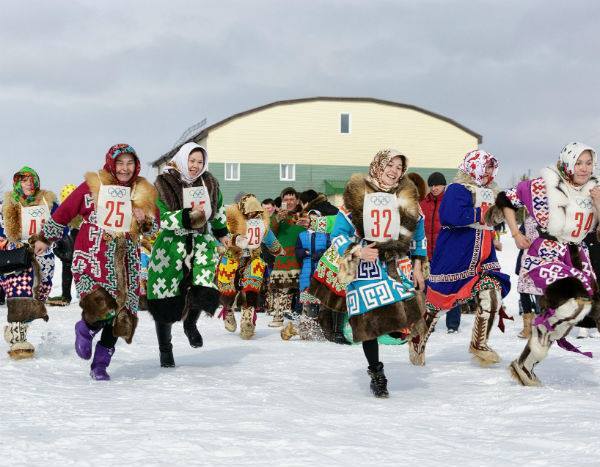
{"x": 270, "y": 402}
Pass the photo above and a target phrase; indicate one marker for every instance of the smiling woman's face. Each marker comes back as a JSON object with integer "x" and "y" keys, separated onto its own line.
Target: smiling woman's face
{"x": 125, "y": 167}
{"x": 392, "y": 171}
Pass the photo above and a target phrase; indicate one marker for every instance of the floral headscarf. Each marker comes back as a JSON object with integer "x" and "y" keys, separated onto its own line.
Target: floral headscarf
{"x": 18, "y": 194}
{"x": 568, "y": 158}
{"x": 380, "y": 161}
{"x": 474, "y": 165}
{"x": 110, "y": 164}
{"x": 179, "y": 162}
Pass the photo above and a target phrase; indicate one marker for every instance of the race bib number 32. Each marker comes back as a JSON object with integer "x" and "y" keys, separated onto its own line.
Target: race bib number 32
{"x": 114, "y": 211}
{"x": 381, "y": 219}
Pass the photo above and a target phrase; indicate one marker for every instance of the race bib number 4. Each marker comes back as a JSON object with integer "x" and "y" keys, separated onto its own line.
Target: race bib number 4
{"x": 255, "y": 231}
{"x": 114, "y": 211}
{"x": 581, "y": 215}
{"x": 381, "y": 219}
{"x": 33, "y": 219}
{"x": 197, "y": 196}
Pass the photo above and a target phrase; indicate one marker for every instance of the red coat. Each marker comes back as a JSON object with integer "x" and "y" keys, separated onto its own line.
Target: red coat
{"x": 431, "y": 210}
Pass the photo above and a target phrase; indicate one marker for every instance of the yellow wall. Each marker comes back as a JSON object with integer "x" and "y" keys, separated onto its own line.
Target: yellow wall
{"x": 309, "y": 133}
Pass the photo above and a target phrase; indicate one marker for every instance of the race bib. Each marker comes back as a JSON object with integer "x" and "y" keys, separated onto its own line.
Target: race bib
{"x": 580, "y": 218}
{"x": 381, "y": 219}
{"x": 33, "y": 219}
{"x": 114, "y": 211}
{"x": 197, "y": 196}
{"x": 484, "y": 198}
{"x": 255, "y": 232}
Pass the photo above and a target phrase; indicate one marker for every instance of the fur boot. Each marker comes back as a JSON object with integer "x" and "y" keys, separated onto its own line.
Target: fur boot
{"x": 247, "y": 322}
{"x": 489, "y": 302}
{"x": 527, "y": 320}
{"x": 16, "y": 335}
{"x": 289, "y": 331}
{"x": 309, "y": 329}
{"x": 563, "y": 320}
{"x": 228, "y": 318}
{"x": 378, "y": 381}
{"x": 420, "y": 335}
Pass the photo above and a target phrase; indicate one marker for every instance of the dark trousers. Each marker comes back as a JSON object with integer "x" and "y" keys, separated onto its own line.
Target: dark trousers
{"x": 453, "y": 318}
{"x": 107, "y": 339}
{"x": 67, "y": 279}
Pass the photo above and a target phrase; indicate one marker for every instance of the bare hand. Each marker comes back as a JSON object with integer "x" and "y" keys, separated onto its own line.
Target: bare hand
{"x": 139, "y": 214}
{"x": 369, "y": 253}
{"x": 225, "y": 240}
{"x": 418, "y": 278}
{"x": 595, "y": 194}
{"x": 522, "y": 241}
{"x": 40, "y": 248}
{"x": 241, "y": 241}
{"x": 303, "y": 222}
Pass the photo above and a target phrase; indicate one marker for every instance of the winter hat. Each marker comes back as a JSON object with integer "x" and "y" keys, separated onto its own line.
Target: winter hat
{"x": 179, "y": 162}
{"x": 248, "y": 204}
{"x": 474, "y": 165}
{"x": 18, "y": 194}
{"x": 568, "y": 158}
{"x": 436, "y": 178}
{"x": 110, "y": 163}
{"x": 380, "y": 161}
{"x": 66, "y": 190}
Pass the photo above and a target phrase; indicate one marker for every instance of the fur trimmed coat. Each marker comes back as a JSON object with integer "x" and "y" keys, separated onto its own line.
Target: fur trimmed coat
{"x": 380, "y": 296}
{"x": 26, "y": 290}
{"x": 102, "y": 259}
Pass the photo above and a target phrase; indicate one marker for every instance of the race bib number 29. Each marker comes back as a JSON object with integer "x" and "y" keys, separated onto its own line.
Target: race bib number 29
{"x": 114, "y": 211}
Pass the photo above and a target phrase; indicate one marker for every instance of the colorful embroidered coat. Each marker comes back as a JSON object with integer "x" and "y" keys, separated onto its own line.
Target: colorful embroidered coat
{"x": 286, "y": 267}
{"x": 103, "y": 259}
{"x": 464, "y": 253}
{"x": 564, "y": 215}
{"x": 21, "y": 288}
{"x": 183, "y": 251}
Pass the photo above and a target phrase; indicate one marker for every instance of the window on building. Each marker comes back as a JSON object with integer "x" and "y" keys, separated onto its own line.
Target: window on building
{"x": 287, "y": 172}
{"x": 232, "y": 170}
{"x": 344, "y": 123}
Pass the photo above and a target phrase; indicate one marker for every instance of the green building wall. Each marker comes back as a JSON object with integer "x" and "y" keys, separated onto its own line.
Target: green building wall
{"x": 263, "y": 179}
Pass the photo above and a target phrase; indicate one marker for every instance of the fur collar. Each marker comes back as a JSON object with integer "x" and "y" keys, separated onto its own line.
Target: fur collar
{"x": 170, "y": 190}
{"x": 144, "y": 195}
{"x": 11, "y": 212}
{"x": 559, "y": 193}
{"x": 321, "y": 198}
{"x": 236, "y": 224}
{"x": 408, "y": 206}
{"x": 470, "y": 184}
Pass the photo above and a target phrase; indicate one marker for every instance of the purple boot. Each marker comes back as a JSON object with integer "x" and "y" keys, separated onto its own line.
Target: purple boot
{"x": 101, "y": 361}
{"x": 83, "y": 339}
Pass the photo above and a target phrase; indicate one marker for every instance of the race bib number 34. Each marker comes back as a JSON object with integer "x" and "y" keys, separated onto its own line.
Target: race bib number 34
{"x": 197, "y": 196}
{"x": 33, "y": 219}
{"x": 114, "y": 211}
{"x": 381, "y": 219}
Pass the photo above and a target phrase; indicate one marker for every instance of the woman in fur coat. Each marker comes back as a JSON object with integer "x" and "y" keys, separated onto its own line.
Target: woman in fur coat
{"x": 376, "y": 233}
{"x": 116, "y": 206}
{"x": 564, "y": 202}
{"x": 181, "y": 274}
{"x": 241, "y": 269}
{"x": 24, "y": 211}
{"x": 464, "y": 264}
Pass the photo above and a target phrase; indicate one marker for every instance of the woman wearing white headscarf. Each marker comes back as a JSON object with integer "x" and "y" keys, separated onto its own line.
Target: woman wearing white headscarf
{"x": 182, "y": 266}
{"x": 564, "y": 202}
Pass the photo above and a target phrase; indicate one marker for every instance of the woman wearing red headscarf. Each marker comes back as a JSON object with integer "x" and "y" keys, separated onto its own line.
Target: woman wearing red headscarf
{"x": 117, "y": 205}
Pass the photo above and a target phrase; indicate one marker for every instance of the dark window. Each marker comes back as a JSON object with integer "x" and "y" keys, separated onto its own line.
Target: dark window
{"x": 344, "y": 123}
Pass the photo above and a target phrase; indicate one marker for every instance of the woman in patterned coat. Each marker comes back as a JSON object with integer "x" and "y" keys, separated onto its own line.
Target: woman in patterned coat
{"x": 181, "y": 274}
{"x": 116, "y": 206}
{"x": 26, "y": 291}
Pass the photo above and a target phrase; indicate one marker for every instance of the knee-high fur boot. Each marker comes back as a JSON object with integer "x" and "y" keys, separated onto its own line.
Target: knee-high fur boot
{"x": 565, "y": 303}
{"x": 16, "y": 335}
{"x": 419, "y": 336}
{"x": 488, "y": 304}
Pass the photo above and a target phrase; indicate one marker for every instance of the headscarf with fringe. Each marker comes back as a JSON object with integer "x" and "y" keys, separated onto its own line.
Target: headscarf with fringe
{"x": 377, "y": 166}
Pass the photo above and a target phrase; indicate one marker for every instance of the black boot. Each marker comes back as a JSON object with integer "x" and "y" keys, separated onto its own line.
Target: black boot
{"x": 190, "y": 328}
{"x": 338, "y": 328}
{"x": 378, "y": 381}
{"x": 163, "y": 333}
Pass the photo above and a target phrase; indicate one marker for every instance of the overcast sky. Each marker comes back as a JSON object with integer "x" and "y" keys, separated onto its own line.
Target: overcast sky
{"x": 79, "y": 76}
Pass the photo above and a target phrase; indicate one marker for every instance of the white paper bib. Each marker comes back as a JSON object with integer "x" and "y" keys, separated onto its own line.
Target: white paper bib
{"x": 255, "y": 232}
{"x": 381, "y": 219}
{"x": 197, "y": 195}
{"x": 33, "y": 219}
{"x": 484, "y": 197}
{"x": 114, "y": 212}
{"x": 580, "y": 219}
